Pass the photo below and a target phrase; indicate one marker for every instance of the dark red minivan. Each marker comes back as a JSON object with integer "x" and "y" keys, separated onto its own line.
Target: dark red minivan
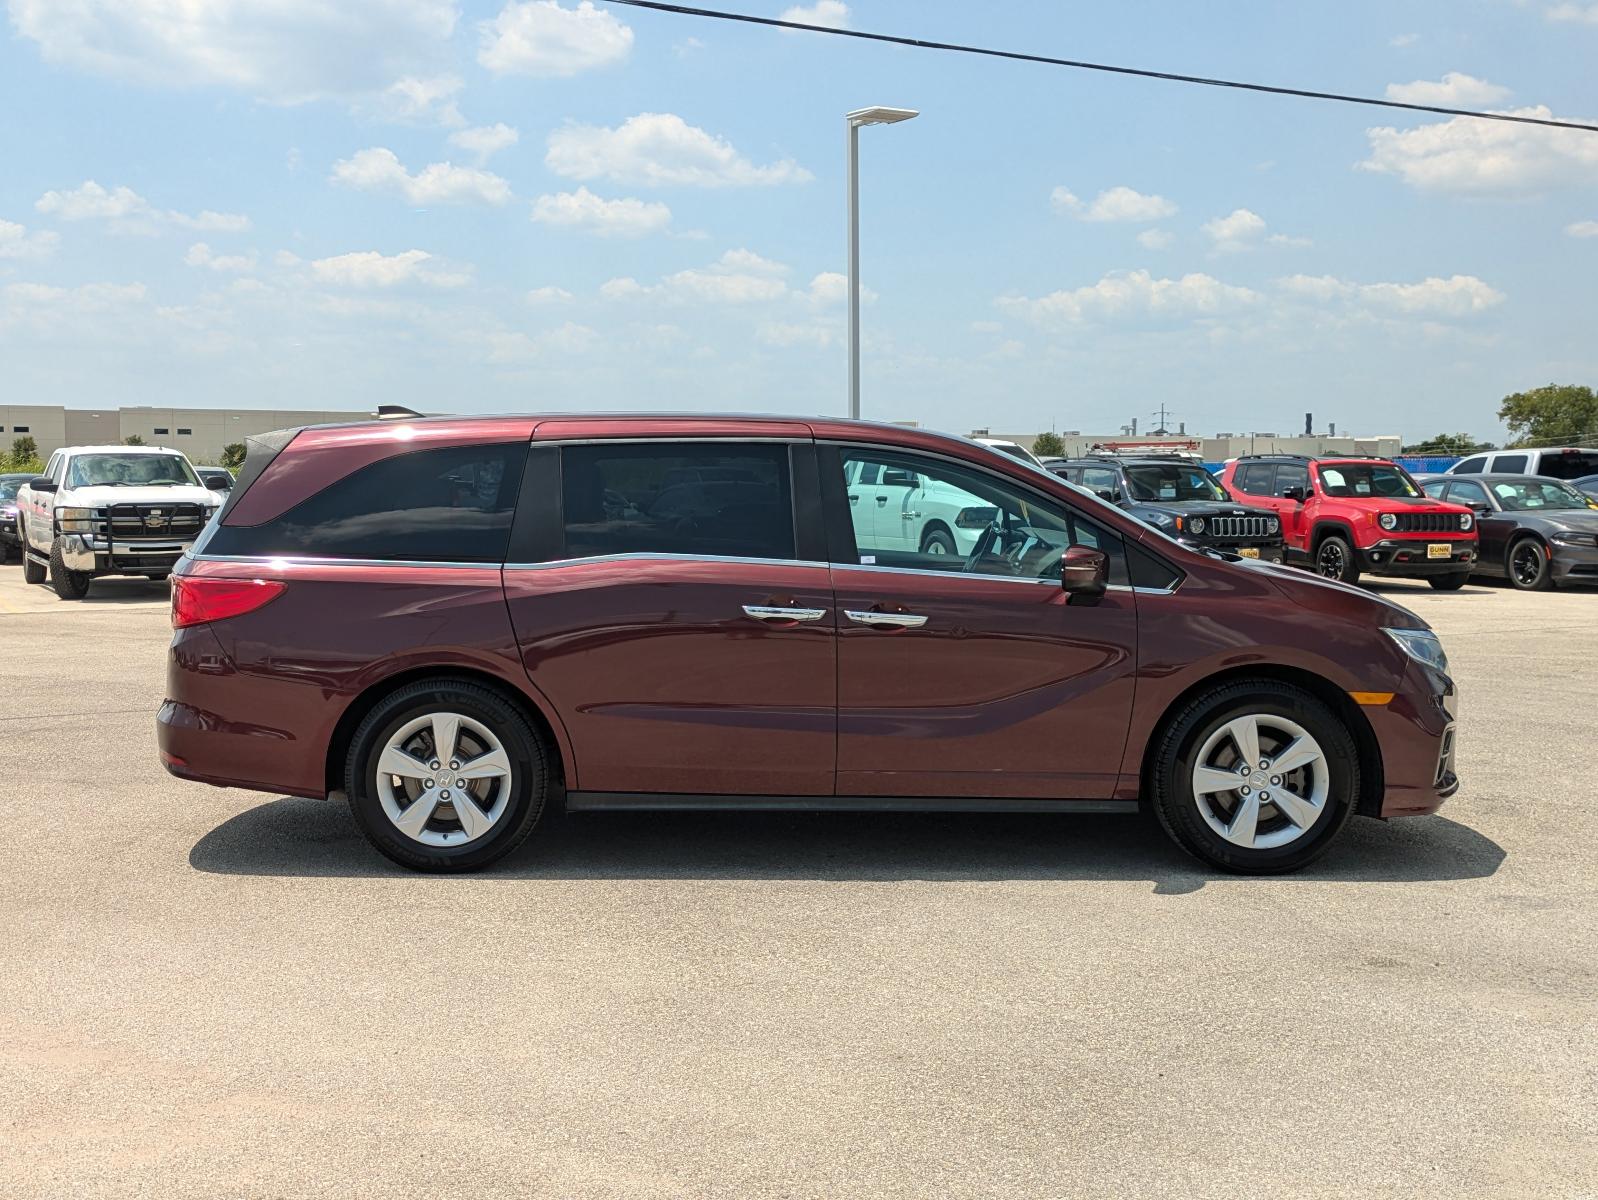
{"x": 456, "y": 622}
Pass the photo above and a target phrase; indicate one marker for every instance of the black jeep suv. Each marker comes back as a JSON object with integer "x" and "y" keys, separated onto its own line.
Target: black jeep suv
{"x": 1179, "y": 496}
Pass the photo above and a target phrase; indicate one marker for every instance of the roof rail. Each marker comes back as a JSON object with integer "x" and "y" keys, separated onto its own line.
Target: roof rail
{"x": 1298, "y": 457}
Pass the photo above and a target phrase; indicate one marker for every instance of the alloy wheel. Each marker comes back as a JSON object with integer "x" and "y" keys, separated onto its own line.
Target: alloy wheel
{"x": 1330, "y": 560}
{"x": 1526, "y": 564}
{"x": 444, "y": 779}
{"x": 1261, "y": 781}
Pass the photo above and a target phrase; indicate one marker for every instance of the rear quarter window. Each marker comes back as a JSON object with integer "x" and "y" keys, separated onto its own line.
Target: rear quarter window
{"x": 453, "y": 504}
{"x": 1509, "y": 464}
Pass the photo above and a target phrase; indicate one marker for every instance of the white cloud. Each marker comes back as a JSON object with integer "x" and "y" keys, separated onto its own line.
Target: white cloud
{"x": 284, "y": 51}
{"x": 379, "y": 169}
{"x": 660, "y": 149}
{"x": 1456, "y": 296}
{"x": 541, "y": 37}
{"x": 1156, "y": 239}
{"x": 1402, "y": 40}
{"x": 1236, "y": 231}
{"x": 831, "y": 13}
{"x": 737, "y": 277}
{"x": 549, "y": 294}
{"x": 785, "y": 334}
{"x": 1456, "y": 90}
{"x": 17, "y": 242}
{"x": 829, "y": 288}
{"x": 421, "y": 100}
{"x": 1115, "y": 204}
{"x": 129, "y": 212}
{"x": 608, "y": 218}
{"x": 1586, "y": 14}
{"x": 1476, "y": 157}
{"x": 1132, "y": 295}
{"x": 485, "y": 141}
{"x": 200, "y": 255}
{"x": 1582, "y": 229}
{"x": 369, "y": 268}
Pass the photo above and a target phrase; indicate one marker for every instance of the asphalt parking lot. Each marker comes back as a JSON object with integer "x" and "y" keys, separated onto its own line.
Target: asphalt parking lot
{"x": 223, "y": 993}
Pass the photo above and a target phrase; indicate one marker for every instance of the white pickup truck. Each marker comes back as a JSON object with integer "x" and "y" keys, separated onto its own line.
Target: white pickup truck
{"x": 109, "y": 510}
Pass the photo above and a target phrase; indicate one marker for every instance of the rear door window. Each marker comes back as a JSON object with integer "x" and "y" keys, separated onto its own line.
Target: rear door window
{"x": 1509, "y": 464}
{"x": 719, "y": 500}
{"x": 1471, "y": 466}
{"x": 1255, "y": 478}
{"x": 452, "y": 504}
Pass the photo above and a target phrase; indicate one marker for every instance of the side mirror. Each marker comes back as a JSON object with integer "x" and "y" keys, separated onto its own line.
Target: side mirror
{"x": 1295, "y": 494}
{"x": 42, "y": 483}
{"x": 897, "y": 478}
{"x": 1105, "y": 494}
{"x": 1484, "y": 510}
{"x": 217, "y": 484}
{"x": 1084, "y": 574}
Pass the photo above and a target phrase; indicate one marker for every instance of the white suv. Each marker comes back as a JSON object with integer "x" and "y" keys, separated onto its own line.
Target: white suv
{"x": 109, "y": 510}
{"x": 896, "y": 509}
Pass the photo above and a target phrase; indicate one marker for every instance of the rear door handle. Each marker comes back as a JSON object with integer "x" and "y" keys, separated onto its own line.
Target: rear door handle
{"x": 772, "y": 612}
{"x": 896, "y": 620}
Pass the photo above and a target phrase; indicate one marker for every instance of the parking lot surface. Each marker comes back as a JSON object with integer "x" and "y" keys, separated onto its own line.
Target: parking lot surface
{"x": 223, "y": 993}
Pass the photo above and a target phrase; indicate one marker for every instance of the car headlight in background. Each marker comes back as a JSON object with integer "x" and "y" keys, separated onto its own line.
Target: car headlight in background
{"x": 1272, "y": 525}
{"x": 1421, "y": 645}
{"x": 1197, "y": 525}
{"x": 1567, "y": 538}
{"x": 1466, "y": 521}
{"x": 1388, "y": 520}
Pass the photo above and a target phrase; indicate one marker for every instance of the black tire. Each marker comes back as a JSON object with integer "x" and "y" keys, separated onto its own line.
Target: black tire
{"x": 938, "y": 541}
{"x": 1523, "y": 555}
{"x": 68, "y": 584}
{"x": 32, "y": 569}
{"x": 1171, "y": 766}
{"x": 530, "y": 781}
{"x": 1449, "y": 583}
{"x": 1334, "y": 559}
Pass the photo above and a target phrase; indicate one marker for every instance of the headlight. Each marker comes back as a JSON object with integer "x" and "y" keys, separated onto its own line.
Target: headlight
{"x": 77, "y": 520}
{"x": 1388, "y": 521}
{"x": 1197, "y": 525}
{"x": 1576, "y": 539}
{"x": 1421, "y": 645}
{"x": 1466, "y": 520}
{"x": 1272, "y": 525}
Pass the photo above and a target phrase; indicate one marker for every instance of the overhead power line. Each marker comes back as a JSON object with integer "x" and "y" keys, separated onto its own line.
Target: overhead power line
{"x": 1080, "y": 65}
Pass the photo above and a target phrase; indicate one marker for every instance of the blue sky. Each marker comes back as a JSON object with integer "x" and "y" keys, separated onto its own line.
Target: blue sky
{"x": 554, "y": 204}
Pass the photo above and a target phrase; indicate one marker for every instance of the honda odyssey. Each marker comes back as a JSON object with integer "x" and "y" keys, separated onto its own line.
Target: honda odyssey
{"x": 456, "y": 623}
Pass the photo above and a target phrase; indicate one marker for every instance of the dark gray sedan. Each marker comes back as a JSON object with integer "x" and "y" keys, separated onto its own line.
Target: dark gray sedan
{"x": 1534, "y": 531}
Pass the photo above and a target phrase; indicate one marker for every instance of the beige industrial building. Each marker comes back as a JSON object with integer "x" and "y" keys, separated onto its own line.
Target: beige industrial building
{"x": 198, "y": 432}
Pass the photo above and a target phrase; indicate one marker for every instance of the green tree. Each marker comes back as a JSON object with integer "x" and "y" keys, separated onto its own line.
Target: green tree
{"x": 1048, "y": 445}
{"x": 24, "y": 449}
{"x": 133, "y": 439}
{"x": 1449, "y": 443}
{"x": 233, "y": 455}
{"x": 1556, "y": 415}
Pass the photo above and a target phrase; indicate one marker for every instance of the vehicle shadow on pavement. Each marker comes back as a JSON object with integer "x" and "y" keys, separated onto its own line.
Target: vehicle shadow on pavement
{"x": 318, "y": 838}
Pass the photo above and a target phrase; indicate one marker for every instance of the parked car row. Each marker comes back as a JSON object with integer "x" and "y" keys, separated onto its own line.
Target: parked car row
{"x": 455, "y": 622}
{"x": 107, "y": 510}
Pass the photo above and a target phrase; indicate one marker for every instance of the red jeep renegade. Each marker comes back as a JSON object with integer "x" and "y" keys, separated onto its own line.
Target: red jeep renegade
{"x": 455, "y": 623}
{"x": 1344, "y": 516}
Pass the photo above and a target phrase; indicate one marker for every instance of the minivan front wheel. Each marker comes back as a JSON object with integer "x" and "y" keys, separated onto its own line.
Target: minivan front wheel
{"x": 446, "y": 775}
{"x": 1256, "y": 777}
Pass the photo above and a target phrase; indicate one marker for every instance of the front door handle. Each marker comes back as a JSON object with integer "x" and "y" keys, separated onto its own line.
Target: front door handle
{"x": 772, "y": 612}
{"x": 895, "y": 620}
{"x": 881, "y": 501}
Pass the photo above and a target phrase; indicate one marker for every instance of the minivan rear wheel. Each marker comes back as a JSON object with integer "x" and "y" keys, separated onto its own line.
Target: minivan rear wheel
{"x": 1256, "y": 777}
{"x": 446, "y": 775}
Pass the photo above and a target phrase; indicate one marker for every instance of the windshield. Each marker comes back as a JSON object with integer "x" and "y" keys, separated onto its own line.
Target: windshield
{"x": 1526, "y": 495}
{"x": 1367, "y": 479}
{"x": 8, "y": 488}
{"x": 1172, "y": 481}
{"x": 130, "y": 470}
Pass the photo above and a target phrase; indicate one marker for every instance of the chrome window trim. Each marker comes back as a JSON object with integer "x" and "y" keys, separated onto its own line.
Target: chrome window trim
{"x": 309, "y": 560}
{"x": 643, "y": 556}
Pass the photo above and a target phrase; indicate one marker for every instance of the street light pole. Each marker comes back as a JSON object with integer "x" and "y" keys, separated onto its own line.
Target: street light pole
{"x": 861, "y": 116}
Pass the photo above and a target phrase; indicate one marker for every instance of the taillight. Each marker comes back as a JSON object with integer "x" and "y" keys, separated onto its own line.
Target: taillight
{"x": 197, "y": 600}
